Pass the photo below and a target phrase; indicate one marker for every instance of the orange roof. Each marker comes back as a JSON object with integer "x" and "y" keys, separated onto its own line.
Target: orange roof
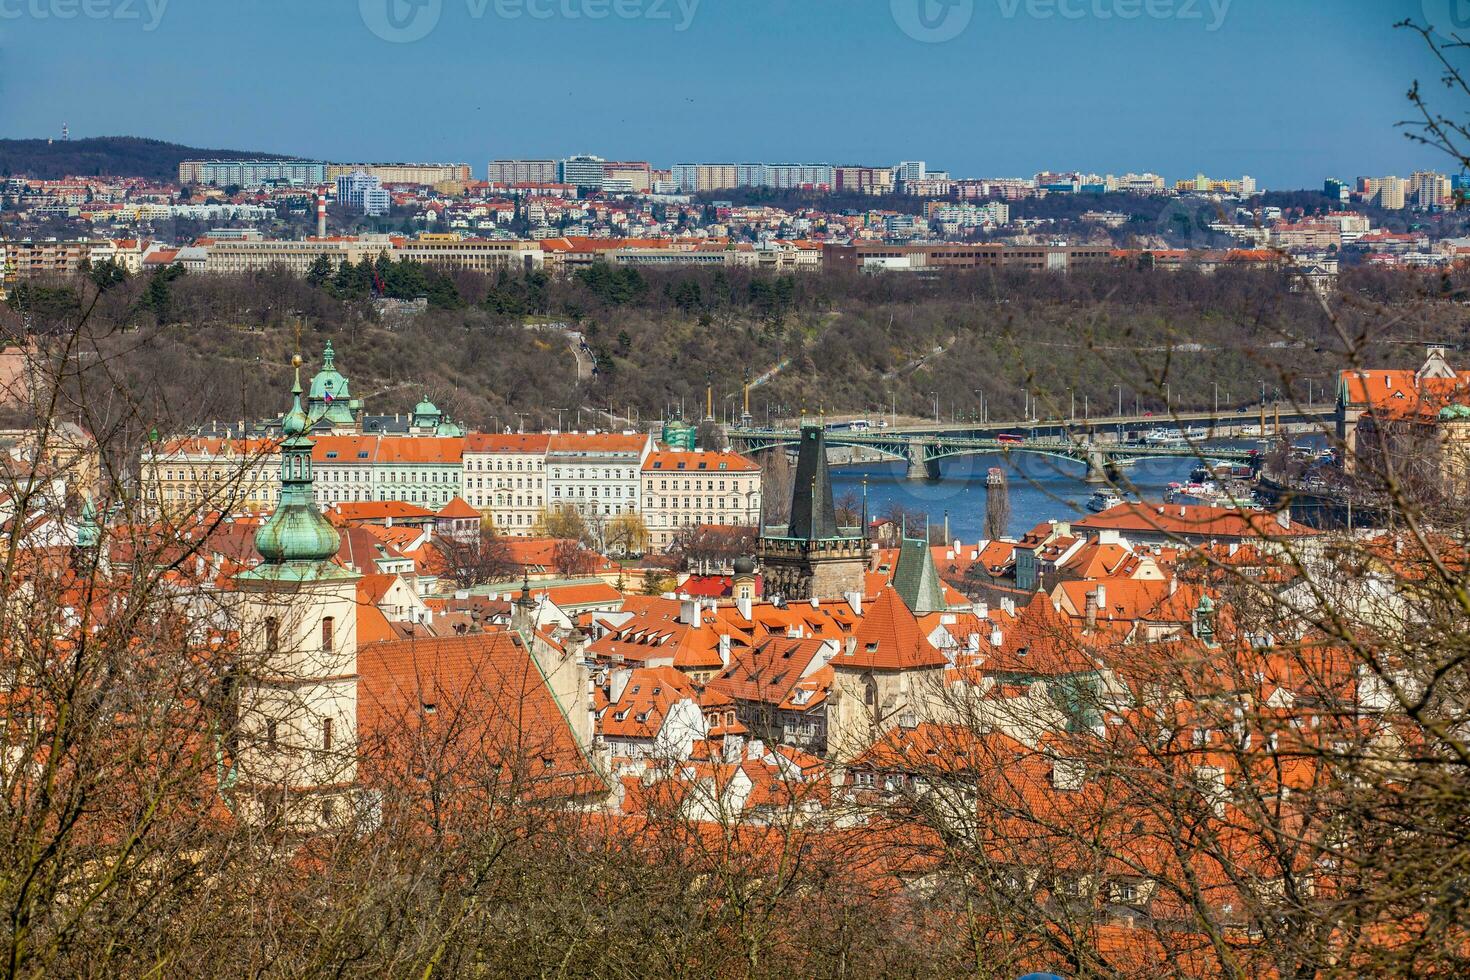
{"x": 422, "y": 450}
{"x": 602, "y": 442}
{"x": 372, "y": 511}
{"x": 534, "y": 443}
{"x": 644, "y": 702}
{"x": 771, "y": 672}
{"x": 458, "y": 509}
{"x": 1192, "y": 520}
{"x": 888, "y": 638}
{"x": 372, "y": 626}
{"x": 671, "y": 461}
{"x": 477, "y": 704}
{"x": 569, "y": 597}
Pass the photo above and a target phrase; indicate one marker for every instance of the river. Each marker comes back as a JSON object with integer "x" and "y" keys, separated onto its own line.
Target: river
{"x": 1041, "y": 488}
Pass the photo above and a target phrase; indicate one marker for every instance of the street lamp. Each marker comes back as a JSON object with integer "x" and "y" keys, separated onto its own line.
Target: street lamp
{"x": 1263, "y": 393}
{"x": 984, "y": 406}
{"x": 1072, "y": 411}
{"x": 935, "y": 396}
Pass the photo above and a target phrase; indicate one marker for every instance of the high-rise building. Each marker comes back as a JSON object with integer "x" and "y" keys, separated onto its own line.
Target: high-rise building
{"x": 583, "y": 171}
{"x": 521, "y": 172}
{"x": 252, "y": 173}
{"x": 911, "y": 170}
{"x": 1389, "y": 193}
{"x": 1430, "y": 190}
{"x": 363, "y": 192}
{"x": 863, "y": 180}
{"x": 426, "y": 174}
{"x": 376, "y": 201}
{"x": 631, "y": 176}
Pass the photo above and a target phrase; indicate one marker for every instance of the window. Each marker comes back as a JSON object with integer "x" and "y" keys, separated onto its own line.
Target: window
{"x": 328, "y": 629}
{"x": 270, "y": 734}
{"x": 272, "y": 634}
{"x": 327, "y": 734}
{"x": 329, "y": 810}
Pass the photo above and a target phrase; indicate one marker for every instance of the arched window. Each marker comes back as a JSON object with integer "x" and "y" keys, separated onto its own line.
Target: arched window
{"x": 272, "y": 634}
{"x": 329, "y": 626}
{"x": 870, "y": 692}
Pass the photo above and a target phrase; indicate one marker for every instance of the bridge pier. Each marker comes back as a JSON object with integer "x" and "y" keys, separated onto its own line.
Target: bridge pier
{"x": 921, "y": 467}
{"x": 1097, "y": 465}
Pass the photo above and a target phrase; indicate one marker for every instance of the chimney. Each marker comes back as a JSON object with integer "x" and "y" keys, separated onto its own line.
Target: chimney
{"x": 1283, "y": 518}
{"x": 995, "y": 635}
{"x": 724, "y": 650}
{"x": 1102, "y": 597}
{"x": 743, "y": 604}
{"x": 1090, "y": 613}
{"x": 321, "y": 214}
{"x": 816, "y": 603}
{"x": 849, "y": 646}
{"x": 691, "y": 613}
{"x": 1173, "y": 586}
{"x": 617, "y": 683}
{"x": 855, "y": 600}
{"x": 981, "y": 609}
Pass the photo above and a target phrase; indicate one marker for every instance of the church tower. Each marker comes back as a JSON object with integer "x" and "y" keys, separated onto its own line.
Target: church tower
{"x": 330, "y": 398}
{"x": 298, "y": 628}
{"x": 813, "y": 558}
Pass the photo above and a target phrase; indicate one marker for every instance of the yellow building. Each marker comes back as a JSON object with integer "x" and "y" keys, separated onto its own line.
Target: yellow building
{"x": 194, "y": 473}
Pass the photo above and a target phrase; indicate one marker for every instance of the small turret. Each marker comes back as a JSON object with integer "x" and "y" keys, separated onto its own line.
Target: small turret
{"x": 297, "y": 534}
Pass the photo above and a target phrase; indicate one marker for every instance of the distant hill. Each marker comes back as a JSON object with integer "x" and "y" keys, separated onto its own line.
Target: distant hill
{"x": 111, "y": 156}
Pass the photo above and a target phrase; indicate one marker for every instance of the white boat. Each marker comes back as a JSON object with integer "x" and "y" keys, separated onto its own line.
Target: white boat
{"x": 1164, "y": 437}
{"x": 1103, "y": 500}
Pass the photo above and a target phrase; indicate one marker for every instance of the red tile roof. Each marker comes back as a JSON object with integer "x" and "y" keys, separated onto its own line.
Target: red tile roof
{"x": 533, "y": 443}
{"x": 457, "y": 508}
{"x": 477, "y": 706}
{"x": 888, "y": 638}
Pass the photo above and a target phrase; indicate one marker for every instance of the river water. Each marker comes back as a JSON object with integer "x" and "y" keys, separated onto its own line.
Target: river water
{"x": 1041, "y": 488}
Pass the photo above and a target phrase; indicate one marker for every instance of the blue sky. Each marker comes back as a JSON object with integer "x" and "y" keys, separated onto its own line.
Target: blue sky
{"x": 1288, "y": 91}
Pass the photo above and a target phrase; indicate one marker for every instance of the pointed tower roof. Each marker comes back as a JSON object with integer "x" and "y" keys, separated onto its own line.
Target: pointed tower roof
{"x": 889, "y": 638}
{"x": 813, "y": 515}
{"x": 297, "y": 542}
{"x": 916, "y": 579}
